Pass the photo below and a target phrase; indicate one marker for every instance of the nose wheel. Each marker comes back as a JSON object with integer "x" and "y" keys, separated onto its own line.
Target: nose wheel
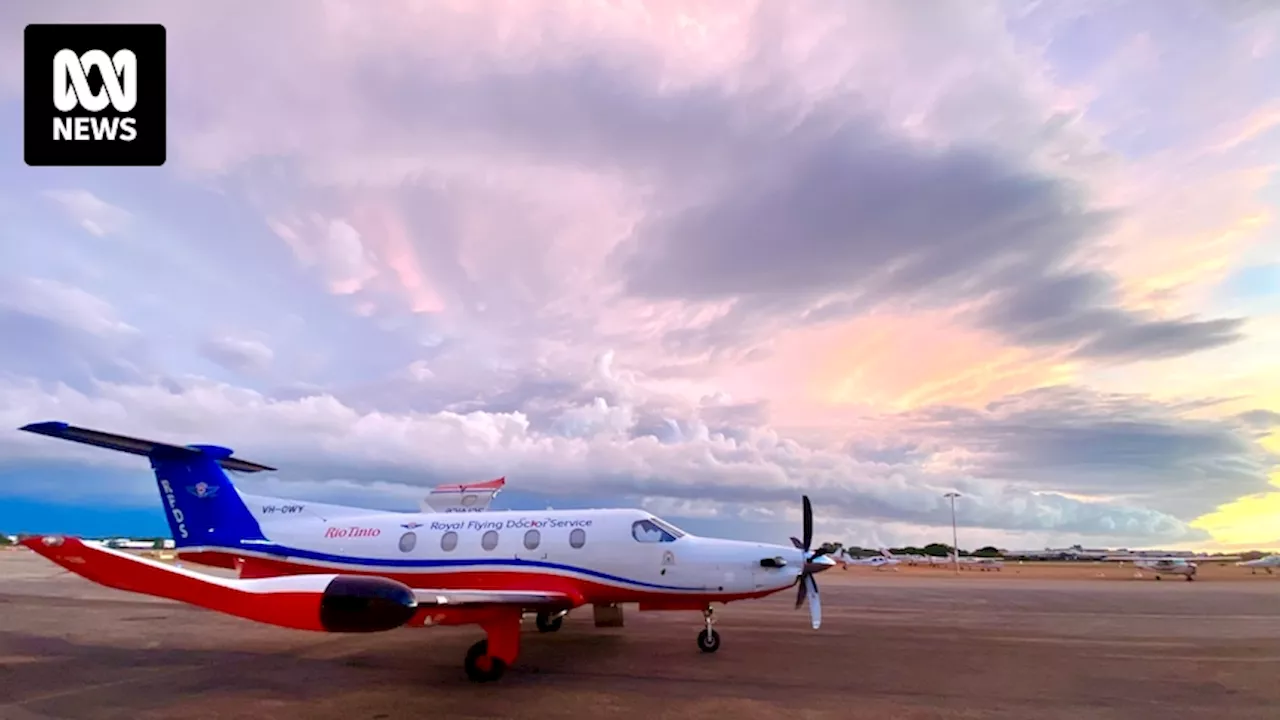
{"x": 708, "y": 639}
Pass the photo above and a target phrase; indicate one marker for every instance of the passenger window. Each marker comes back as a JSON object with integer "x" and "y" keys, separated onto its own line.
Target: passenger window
{"x": 531, "y": 539}
{"x": 490, "y": 540}
{"x": 647, "y": 532}
{"x": 578, "y": 538}
{"x": 449, "y": 541}
{"x": 408, "y": 541}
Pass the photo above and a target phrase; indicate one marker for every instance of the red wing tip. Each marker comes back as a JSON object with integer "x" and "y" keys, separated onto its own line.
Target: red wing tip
{"x": 464, "y": 487}
{"x": 43, "y": 543}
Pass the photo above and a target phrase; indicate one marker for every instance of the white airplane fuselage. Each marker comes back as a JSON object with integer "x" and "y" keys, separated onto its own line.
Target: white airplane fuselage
{"x": 1167, "y": 566}
{"x": 599, "y": 556}
{"x": 1267, "y": 564}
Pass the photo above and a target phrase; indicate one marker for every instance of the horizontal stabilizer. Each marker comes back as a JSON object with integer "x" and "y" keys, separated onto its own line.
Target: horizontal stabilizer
{"x": 138, "y": 446}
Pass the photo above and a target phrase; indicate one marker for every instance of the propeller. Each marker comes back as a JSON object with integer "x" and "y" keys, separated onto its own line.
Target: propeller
{"x": 806, "y": 587}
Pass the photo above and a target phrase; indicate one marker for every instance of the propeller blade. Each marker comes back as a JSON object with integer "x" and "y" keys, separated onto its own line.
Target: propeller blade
{"x": 815, "y": 606}
{"x": 796, "y": 541}
{"x": 800, "y": 588}
{"x": 808, "y": 523}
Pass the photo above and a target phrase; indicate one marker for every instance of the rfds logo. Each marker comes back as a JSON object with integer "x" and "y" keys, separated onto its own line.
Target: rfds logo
{"x": 108, "y": 100}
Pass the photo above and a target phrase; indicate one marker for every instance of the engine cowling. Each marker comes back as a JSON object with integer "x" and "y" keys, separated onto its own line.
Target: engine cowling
{"x": 361, "y": 604}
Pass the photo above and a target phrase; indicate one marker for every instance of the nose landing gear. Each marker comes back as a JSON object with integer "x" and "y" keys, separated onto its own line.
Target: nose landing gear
{"x": 708, "y": 639}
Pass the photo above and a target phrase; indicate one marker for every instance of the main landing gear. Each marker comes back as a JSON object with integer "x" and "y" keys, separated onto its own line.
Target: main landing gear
{"x": 708, "y": 639}
{"x": 488, "y": 659}
{"x": 547, "y": 622}
{"x": 481, "y": 666}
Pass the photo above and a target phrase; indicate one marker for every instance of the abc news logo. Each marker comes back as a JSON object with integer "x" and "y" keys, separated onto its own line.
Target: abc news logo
{"x": 71, "y": 90}
{"x": 107, "y": 105}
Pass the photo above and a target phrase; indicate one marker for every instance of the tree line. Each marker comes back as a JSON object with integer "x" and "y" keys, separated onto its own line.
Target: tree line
{"x": 932, "y": 549}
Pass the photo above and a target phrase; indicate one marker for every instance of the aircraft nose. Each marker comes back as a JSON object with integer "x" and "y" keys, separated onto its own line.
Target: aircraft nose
{"x": 819, "y": 564}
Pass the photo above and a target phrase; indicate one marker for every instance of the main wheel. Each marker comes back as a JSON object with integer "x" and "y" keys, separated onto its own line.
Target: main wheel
{"x": 708, "y": 641}
{"x": 480, "y": 666}
{"x": 547, "y": 624}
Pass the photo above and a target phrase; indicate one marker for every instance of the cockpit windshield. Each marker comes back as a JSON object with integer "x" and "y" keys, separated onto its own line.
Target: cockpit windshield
{"x": 654, "y": 530}
{"x": 668, "y": 527}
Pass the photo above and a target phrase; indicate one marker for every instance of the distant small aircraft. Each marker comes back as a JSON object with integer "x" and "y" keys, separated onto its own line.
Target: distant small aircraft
{"x": 1184, "y": 566}
{"x": 1267, "y": 563}
{"x": 982, "y": 563}
{"x": 879, "y": 562}
{"x": 332, "y": 568}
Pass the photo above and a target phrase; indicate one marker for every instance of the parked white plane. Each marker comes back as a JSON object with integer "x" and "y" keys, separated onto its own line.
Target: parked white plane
{"x": 883, "y": 560}
{"x": 982, "y": 563}
{"x": 1160, "y": 565}
{"x": 1268, "y": 563}
{"x": 330, "y": 568}
{"x": 1184, "y": 566}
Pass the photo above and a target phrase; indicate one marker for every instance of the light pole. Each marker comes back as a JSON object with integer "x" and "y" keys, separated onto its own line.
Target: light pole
{"x": 955, "y": 544}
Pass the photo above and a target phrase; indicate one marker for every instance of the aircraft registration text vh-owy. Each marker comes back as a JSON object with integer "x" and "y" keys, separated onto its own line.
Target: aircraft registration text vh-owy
{"x": 333, "y": 568}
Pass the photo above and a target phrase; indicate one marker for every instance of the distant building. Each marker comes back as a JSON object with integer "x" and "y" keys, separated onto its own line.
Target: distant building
{"x": 1075, "y": 552}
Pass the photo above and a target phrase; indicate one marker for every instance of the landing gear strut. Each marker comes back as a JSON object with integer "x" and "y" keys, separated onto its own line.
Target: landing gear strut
{"x": 708, "y": 639}
{"x": 549, "y": 622}
{"x": 488, "y": 659}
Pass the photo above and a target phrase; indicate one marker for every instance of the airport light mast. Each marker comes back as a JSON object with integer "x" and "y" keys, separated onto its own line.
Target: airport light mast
{"x": 955, "y": 544}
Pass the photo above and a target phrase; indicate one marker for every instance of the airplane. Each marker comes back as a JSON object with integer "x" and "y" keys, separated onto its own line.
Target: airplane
{"x": 879, "y": 562}
{"x": 1160, "y": 565}
{"x": 1170, "y": 565}
{"x": 331, "y": 568}
{"x": 466, "y": 497}
{"x": 981, "y": 563}
{"x": 1266, "y": 563}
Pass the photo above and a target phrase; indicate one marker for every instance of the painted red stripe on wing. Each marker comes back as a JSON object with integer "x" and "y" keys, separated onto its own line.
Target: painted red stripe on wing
{"x": 287, "y": 608}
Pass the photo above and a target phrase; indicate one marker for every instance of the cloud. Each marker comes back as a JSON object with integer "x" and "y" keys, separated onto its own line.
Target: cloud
{"x": 95, "y": 215}
{"x": 238, "y": 354}
{"x": 1019, "y": 463}
{"x": 839, "y": 216}
{"x": 1114, "y": 446}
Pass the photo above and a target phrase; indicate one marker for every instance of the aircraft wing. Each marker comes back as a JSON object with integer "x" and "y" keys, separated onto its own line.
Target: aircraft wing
{"x": 311, "y": 601}
{"x": 467, "y": 497}
{"x": 466, "y": 598}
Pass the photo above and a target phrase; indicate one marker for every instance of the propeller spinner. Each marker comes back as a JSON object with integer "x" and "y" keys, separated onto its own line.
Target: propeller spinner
{"x": 806, "y": 587}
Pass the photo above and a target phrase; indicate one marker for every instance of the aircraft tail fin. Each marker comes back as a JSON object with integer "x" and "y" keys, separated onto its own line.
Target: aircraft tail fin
{"x": 202, "y": 506}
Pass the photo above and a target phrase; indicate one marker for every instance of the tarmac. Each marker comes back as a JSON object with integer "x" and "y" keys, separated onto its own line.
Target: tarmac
{"x": 926, "y": 644}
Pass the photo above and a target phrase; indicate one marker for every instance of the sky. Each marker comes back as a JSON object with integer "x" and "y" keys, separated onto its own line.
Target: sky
{"x": 698, "y": 257}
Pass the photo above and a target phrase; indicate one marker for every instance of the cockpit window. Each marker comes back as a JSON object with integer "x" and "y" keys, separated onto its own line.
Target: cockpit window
{"x": 668, "y": 527}
{"x": 647, "y": 531}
